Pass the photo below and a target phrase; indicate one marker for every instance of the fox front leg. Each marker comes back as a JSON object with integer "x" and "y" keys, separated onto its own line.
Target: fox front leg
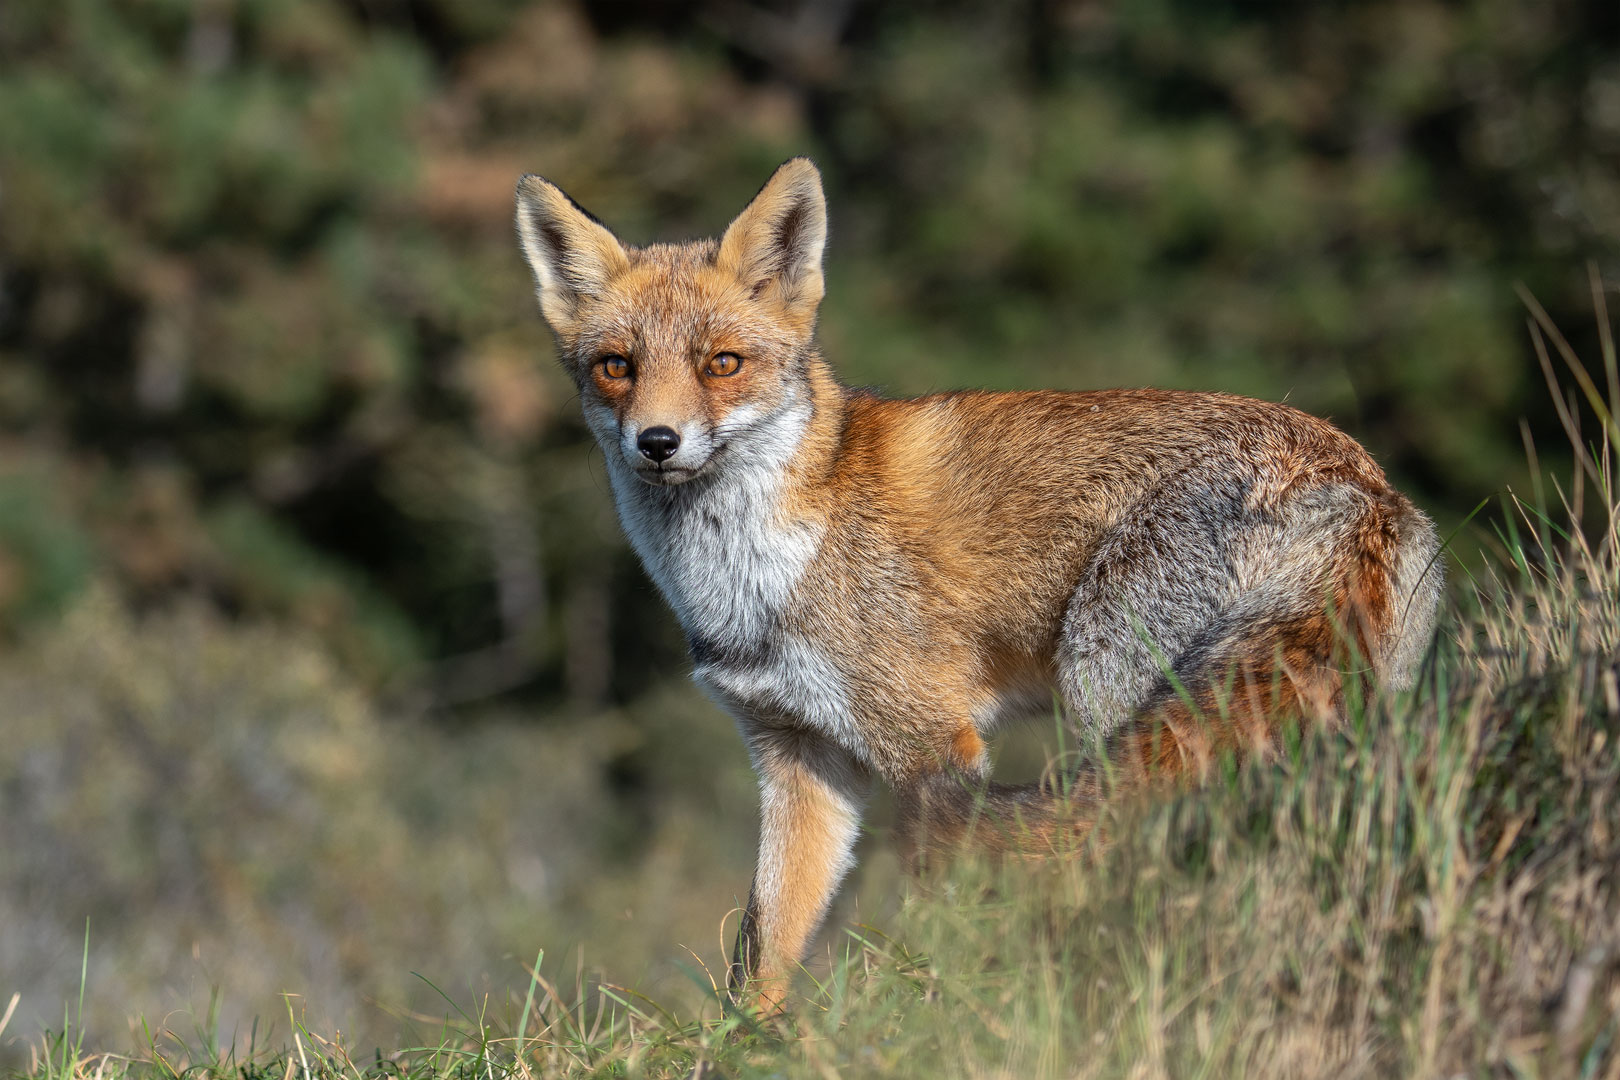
{"x": 811, "y": 797}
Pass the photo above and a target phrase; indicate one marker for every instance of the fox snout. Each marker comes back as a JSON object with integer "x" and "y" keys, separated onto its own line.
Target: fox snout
{"x": 664, "y": 453}
{"x": 658, "y": 444}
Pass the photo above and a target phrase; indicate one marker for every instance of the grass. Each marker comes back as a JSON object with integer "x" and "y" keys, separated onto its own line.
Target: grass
{"x": 1432, "y": 891}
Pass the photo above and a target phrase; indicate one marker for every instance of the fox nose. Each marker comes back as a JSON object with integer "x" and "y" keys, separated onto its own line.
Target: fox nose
{"x": 658, "y": 443}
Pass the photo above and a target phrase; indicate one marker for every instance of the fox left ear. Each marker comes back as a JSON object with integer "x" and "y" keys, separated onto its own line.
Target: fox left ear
{"x": 572, "y": 254}
{"x": 775, "y": 244}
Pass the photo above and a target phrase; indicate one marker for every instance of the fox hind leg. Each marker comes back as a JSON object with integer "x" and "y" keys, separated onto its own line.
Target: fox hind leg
{"x": 1156, "y": 582}
{"x": 1203, "y": 630}
{"x": 1198, "y": 625}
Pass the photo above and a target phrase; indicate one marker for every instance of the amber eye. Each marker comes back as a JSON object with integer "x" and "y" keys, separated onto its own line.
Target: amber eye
{"x": 615, "y": 367}
{"x": 724, "y": 364}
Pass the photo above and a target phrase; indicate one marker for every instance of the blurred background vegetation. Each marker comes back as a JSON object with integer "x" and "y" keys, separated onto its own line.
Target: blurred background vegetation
{"x": 322, "y": 659}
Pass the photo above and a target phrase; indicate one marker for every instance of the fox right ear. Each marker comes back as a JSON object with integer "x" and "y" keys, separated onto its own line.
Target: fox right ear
{"x": 774, "y": 246}
{"x": 572, "y": 254}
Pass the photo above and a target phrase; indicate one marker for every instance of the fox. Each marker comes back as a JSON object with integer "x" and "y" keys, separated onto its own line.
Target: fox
{"x": 871, "y": 587}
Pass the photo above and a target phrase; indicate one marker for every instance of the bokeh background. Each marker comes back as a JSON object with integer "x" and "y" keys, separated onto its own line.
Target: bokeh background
{"x": 322, "y": 660}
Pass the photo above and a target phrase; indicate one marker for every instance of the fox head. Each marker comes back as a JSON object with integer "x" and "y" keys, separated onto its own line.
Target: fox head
{"x": 688, "y": 356}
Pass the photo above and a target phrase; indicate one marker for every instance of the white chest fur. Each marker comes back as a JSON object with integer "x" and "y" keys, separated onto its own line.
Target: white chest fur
{"x": 722, "y": 553}
{"x": 728, "y": 557}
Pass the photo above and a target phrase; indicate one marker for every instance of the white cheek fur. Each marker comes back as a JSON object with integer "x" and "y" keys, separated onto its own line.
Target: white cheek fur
{"x": 718, "y": 546}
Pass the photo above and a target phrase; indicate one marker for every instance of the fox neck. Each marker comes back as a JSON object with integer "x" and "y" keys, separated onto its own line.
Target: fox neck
{"x": 729, "y": 548}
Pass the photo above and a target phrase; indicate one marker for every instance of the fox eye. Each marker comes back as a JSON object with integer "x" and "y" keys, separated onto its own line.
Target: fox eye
{"x": 724, "y": 363}
{"x": 615, "y": 366}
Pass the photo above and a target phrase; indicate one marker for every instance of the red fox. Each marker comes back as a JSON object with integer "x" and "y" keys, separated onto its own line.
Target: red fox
{"x": 870, "y": 585}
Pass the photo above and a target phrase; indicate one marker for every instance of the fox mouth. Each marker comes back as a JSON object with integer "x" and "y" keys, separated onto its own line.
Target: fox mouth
{"x": 665, "y": 475}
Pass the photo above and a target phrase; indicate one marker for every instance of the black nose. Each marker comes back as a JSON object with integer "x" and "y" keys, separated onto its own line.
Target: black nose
{"x": 658, "y": 443}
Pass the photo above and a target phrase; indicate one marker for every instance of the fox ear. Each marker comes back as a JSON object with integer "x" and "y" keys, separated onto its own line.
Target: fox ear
{"x": 571, "y": 253}
{"x": 774, "y": 246}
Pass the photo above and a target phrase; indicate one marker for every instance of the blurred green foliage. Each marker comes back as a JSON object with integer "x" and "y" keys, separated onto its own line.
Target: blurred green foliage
{"x": 264, "y": 336}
